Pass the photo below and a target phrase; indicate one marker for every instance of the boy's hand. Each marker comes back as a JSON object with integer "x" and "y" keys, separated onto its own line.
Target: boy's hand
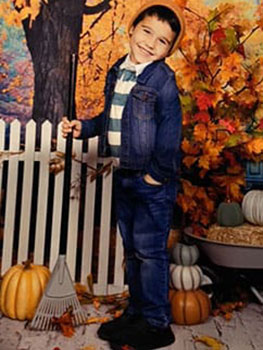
{"x": 68, "y": 127}
{"x": 148, "y": 179}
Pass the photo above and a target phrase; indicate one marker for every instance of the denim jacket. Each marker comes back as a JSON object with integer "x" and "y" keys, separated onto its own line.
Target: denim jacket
{"x": 151, "y": 122}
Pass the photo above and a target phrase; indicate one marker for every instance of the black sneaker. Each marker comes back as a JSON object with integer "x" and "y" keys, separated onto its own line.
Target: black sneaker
{"x": 143, "y": 336}
{"x": 111, "y": 330}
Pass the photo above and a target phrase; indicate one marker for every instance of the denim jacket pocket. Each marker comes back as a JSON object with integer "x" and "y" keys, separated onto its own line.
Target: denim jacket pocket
{"x": 143, "y": 102}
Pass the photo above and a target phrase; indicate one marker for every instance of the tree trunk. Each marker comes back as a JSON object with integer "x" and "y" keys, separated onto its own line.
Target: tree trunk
{"x": 54, "y": 35}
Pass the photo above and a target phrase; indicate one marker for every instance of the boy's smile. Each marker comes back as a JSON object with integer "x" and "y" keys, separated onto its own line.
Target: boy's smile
{"x": 150, "y": 40}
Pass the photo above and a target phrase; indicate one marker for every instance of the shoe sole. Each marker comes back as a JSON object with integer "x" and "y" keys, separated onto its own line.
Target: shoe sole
{"x": 115, "y": 346}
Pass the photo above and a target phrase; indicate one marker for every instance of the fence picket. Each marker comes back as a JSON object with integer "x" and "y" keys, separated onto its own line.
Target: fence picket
{"x": 74, "y": 207}
{"x": 104, "y": 242}
{"x": 11, "y": 192}
{"x": 44, "y": 157}
{"x": 89, "y": 211}
{"x": 27, "y": 192}
{"x": 118, "y": 282}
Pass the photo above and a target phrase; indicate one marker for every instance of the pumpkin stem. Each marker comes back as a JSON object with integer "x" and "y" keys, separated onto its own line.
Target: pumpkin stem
{"x": 27, "y": 264}
{"x": 228, "y": 196}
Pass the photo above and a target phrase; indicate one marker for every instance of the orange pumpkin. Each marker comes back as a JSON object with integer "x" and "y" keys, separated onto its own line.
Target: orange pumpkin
{"x": 21, "y": 290}
{"x": 189, "y": 307}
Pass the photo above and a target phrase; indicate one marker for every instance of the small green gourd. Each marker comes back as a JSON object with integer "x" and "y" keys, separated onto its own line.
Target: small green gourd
{"x": 230, "y": 214}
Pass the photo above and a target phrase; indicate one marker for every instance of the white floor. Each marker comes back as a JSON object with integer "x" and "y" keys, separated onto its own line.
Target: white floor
{"x": 243, "y": 332}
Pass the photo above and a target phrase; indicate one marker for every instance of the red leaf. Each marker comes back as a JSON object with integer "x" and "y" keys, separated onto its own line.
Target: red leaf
{"x": 231, "y": 158}
{"x": 204, "y": 100}
{"x": 260, "y": 126}
{"x": 228, "y": 125}
{"x": 218, "y": 35}
{"x": 202, "y": 117}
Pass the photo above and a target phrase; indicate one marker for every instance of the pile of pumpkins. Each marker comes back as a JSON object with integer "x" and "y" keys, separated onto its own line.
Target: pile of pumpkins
{"x": 189, "y": 304}
{"x": 251, "y": 209}
{"x": 21, "y": 290}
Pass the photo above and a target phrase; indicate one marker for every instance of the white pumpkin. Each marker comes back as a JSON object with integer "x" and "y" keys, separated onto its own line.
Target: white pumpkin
{"x": 252, "y": 207}
{"x": 186, "y": 255}
{"x": 185, "y": 277}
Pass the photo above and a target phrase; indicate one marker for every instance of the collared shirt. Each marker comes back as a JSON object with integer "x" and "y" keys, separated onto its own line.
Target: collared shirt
{"x": 129, "y": 65}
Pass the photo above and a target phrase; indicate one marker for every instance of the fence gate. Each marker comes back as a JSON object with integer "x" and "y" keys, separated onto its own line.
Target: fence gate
{"x": 31, "y": 183}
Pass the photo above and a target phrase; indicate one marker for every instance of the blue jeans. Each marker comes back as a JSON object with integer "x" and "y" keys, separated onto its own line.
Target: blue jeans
{"x": 144, "y": 217}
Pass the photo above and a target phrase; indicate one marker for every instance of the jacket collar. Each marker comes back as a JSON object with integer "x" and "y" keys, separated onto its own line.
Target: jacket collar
{"x": 147, "y": 72}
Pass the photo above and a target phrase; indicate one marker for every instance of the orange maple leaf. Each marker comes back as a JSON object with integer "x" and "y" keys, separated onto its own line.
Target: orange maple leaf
{"x": 260, "y": 15}
{"x": 188, "y": 73}
{"x": 65, "y": 323}
{"x": 255, "y": 146}
{"x": 189, "y": 147}
{"x": 204, "y": 161}
{"x": 212, "y": 149}
{"x": 200, "y": 132}
{"x": 186, "y": 202}
{"x": 247, "y": 98}
{"x": 232, "y": 67}
{"x": 189, "y": 161}
{"x": 188, "y": 188}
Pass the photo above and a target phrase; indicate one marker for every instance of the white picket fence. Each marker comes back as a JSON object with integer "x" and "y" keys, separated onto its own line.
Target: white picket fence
{"x": 80, "y": 252}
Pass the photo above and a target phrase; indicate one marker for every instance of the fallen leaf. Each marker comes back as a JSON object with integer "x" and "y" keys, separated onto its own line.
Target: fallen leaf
{"x": 96, "y": 303}
{"x": 89, "y": 347}
{"x": 65, "y": 323}
{"x": 97, "y": 320}
{"x": 213, "y": 343}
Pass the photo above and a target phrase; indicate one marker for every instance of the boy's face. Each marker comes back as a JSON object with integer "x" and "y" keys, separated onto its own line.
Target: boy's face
{"x": 150, "y": 40}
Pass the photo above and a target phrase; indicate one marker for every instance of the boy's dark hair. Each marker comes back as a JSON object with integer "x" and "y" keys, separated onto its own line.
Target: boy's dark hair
{"x": 164, "y": 14}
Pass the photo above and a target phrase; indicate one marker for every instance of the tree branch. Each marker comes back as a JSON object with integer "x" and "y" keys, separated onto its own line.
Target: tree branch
{"x": 196, "y": 14}
{"x": 101, "y": 7}
{"x": 249, "y": 35}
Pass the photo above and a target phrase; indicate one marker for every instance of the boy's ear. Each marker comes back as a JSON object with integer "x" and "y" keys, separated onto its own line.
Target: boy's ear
{"x": 131, "y": 31}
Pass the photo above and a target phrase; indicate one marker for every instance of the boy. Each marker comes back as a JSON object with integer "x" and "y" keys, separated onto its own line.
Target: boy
{"x": 141, "y": 127}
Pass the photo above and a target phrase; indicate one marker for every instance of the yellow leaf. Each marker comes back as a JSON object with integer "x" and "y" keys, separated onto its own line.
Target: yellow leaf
{"x": 204, "y": 162}
{"x": 213, "y": 343}
{"x": 24, "y": 13}
{"x": 97, "y": 320}
{"x": 80, "y": 288}
{"x": 255, "y": 146}
{"x": 231, "y": 67}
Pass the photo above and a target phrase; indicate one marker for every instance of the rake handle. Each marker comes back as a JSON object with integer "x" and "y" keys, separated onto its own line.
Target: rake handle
{"x": 68, "y": 157}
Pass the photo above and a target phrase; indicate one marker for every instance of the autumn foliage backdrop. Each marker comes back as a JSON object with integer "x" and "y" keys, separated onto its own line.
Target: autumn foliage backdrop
{"x": 219, "y": 70}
